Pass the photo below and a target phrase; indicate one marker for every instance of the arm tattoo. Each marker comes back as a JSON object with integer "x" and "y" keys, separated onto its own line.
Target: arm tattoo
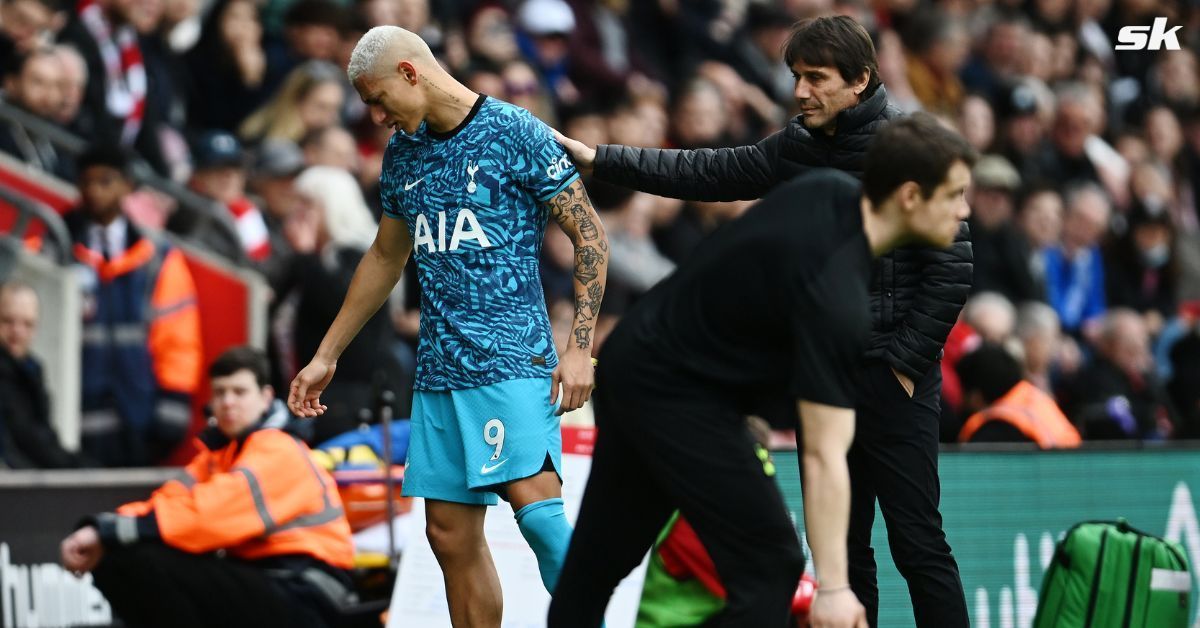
{"x": 587, "y": 228}
{"x": 595, "y": 295}
{"x": 586, "y": 260}
{"x": 572, "y": 210}
{"x": 583, "y": 337}
{"x": 587, "y": 309}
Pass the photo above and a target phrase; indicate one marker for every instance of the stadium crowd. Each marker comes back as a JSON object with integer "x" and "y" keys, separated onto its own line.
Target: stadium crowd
{"x": 1085, "y": 218}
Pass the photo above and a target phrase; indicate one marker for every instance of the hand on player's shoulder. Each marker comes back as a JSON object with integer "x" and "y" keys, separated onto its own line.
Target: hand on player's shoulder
{"x": 580, "y": 153}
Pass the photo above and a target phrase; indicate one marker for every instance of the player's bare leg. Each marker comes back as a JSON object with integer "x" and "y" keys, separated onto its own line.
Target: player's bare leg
{"x": 544, "y": 485}
{"x": 455, "y": 532}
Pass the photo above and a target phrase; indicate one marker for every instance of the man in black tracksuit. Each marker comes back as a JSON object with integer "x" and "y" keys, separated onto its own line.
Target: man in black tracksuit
{"x": 916, "y": 293}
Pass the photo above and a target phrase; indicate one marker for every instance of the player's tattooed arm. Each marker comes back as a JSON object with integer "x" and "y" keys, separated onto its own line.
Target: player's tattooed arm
{"x": 573, "y": 211}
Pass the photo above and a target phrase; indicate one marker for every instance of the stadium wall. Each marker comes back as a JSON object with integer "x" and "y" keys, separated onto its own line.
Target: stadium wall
{"x": 1004, "y": 511}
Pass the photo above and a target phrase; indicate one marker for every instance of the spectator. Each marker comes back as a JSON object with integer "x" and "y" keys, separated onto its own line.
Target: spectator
{"x": 252, "y": 534}
{"x": 26, "y": 25}
{"x": 1165, "y": 137}
{"x": 588, "y": 125}
{"x": 1142, "y": 270}
{"x": 332, "y": 146}
{"x": 117, "y": 99}
{"x": 939, "y": 46}
{"x": 330, "y": 233}
{"x": 228, "y": 67}
{"x": 27, "y": 439}
{"x": 1041, "y": 221}
{"x": 546, "y": 26}
{"x": 273, "y": 175}
{"x": 700, "y": 117}
{"x": 1173, "y": 80}
{"x": 1023, "y": 130}
{"x": 893, "y": 70}
{"x": 627, "y": 126}
{"x": 996, "y": 64}
{"x": 1044, "y": 348}
{"x": 34, "y": 84}
{"x": 310, "y": 33}
{"x": 1037, "y": 58}
{"x": 628, "y": 216}
{"x": 74, "y": 80}
{"x": 749, "y": 112}
{"x": 310, "y": 99}
{"x": 141, "y": 329}
{"x": 992, "y": 316}
{"x": 1006, "y": 408}
{"x": 761, "y": 53}
{"x": 490, "y": 33}
{"x": 604, "y": 59}
{"x": 1001, "y": 252}
{"x": 1075, "y": 268}
{"x": 484, "y": 78}
{"x": 977, "y": 123}
{"x": 273, "y": 183}
{"x": 1118, "y": 395}
{"x": 1077, "y": 154}
{"x": 354, "y": 110}
{"x": 523, "y": 88}
{"x": 221, "y": 175}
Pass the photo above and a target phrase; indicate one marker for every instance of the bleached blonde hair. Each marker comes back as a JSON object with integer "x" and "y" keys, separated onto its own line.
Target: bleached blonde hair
{"x": 385, "y": 46}
{"x": 347, "y": 218}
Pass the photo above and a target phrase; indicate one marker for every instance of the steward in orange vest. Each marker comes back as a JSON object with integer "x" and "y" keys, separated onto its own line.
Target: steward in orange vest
{"x": 1031, "y": 412}
{"x": 1006, "y": 408}
{"x": 253, "y": 534}
{"x": 142, "y": 357}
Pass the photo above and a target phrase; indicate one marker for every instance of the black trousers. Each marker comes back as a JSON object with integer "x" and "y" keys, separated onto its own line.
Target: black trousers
{"x": 150, "y": 585}
{"x": 894, "y": 460}
{"x": 657, "y": 453}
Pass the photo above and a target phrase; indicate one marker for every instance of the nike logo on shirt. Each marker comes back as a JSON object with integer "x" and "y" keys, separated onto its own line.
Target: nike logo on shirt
{"x": 409, "y": 186}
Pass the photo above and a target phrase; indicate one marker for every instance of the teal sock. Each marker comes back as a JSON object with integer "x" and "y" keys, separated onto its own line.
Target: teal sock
{"x": 544, "y": 526}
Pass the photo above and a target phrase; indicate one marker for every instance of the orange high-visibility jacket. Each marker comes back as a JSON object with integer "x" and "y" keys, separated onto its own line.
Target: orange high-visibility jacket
{"x": 255, "y": 497}
{"x": 1030, "y": 410}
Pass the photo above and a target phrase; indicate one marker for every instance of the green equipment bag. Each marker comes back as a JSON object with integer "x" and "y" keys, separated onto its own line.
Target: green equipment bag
{"x": 1107, "y": 574}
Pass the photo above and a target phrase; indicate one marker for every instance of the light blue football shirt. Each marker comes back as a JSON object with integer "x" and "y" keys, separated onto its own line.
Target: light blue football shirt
{"x": 474, "y": 200}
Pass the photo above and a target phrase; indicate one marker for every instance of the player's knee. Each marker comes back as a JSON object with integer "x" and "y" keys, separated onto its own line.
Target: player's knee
{"x": 450, "y": 540}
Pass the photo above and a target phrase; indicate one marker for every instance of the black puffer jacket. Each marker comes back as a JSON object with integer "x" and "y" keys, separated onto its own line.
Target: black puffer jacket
{"x": 916, "y": 292}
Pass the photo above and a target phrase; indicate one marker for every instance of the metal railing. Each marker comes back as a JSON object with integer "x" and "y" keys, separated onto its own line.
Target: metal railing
{"x": 204, "y": 221}
{"x": 29, "y": 210}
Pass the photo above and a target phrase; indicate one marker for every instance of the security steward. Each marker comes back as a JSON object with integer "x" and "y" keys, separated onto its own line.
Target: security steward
{"x": 253, "y": 534}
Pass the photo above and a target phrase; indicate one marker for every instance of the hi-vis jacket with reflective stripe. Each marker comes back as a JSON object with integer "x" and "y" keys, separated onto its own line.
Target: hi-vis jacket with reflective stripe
{"x": 256, "y": 497}
{"x": 142, "y": 356}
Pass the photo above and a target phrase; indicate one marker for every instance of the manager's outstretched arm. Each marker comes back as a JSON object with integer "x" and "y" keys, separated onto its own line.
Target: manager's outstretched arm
{"x": 377, "y": 274}
{"x": 828, "y": 432}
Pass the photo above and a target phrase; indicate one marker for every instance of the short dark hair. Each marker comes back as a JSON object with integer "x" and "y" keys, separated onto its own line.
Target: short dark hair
{"x": 242, "y": 358}
{"x": 913, "y": 148}
{"x": 836, "y": 41}
{"x": 991, "y": 370}
{"x": 108, "y": 155}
